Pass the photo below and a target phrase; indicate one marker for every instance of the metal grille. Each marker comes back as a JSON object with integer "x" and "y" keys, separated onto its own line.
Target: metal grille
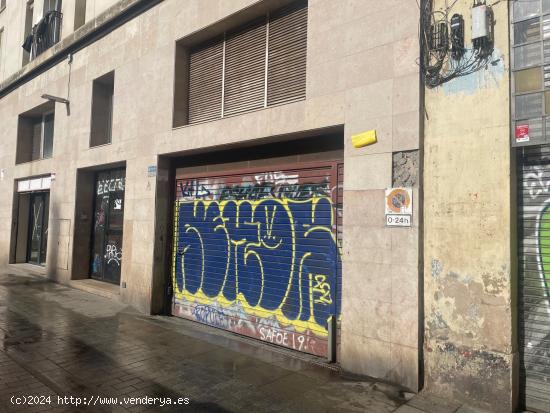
{"x": 244, "y": 86}
{"x": 256, "y": 253}
{"x": 46, "y": 32}
{"x": 534, "y": 280}
{"x": 255, "y": 66}
{"x": 286, "y": 76}
{"x": 205, "y": 81}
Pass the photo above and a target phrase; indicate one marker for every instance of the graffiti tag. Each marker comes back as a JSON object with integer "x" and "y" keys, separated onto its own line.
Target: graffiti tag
{"x": 211, "y": 316}
{"x": 113, "y": 254}
{"x": 322, "y": 289}
{"x": 283, "y": 338}
{"x": 269, "y": 185}
{"x": 110, "y": 185}
{"x": 277, "y": 178}
{"x": 193, "y": 189}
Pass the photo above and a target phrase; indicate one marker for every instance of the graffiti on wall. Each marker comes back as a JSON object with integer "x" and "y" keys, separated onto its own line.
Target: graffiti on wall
{"x": 259, "y": 258}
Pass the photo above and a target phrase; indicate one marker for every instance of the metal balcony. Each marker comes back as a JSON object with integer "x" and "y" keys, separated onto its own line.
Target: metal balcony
{"x": 44, "y": 34}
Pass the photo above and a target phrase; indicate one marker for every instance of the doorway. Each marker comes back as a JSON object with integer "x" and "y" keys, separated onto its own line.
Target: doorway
{"x": 38, "y": 228}
{"x": 106, "y": 256}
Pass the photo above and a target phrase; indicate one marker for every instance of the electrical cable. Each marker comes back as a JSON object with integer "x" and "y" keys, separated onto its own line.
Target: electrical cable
{"x": 437, "y": 63}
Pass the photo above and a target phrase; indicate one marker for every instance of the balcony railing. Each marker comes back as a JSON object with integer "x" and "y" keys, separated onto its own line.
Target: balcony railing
{"x": 44, "y": 34}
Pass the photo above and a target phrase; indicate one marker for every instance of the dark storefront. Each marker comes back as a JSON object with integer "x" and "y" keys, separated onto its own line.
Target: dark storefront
{"x": 32, "y": 207}
{"x": 106, "y": 256}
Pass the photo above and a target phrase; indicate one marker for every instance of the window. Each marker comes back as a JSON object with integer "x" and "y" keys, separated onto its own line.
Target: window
{"x": 52, "y": 17}
{"x": 530, "y": 56}
{"x": 27, "y": 40}
{"x": 258, "y": 65}
{"x": 102, "y": 110}
{"x": 35, "y": 134}
{"x": 79, "y": 13}
{"x": 51, "y": 5}
{"x": 45, "y": 33}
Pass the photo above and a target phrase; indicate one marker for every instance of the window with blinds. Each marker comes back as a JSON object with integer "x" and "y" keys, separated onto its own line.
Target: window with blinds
{"x": 260, "y": 64}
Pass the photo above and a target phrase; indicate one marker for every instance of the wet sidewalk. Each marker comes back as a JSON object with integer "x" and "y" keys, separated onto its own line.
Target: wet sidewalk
{"x": 58, "y": 342}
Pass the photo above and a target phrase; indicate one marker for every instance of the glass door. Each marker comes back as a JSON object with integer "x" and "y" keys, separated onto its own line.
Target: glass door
{"x": 38, "y": 228}
{"x": 108, "y": 220}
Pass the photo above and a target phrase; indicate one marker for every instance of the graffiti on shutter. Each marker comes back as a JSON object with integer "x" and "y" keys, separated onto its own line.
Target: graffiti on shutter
{"x": 257, "y": 254}
{"x": 534, "y": 263}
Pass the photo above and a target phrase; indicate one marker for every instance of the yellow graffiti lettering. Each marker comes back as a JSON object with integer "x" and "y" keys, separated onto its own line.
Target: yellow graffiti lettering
{"x": 245, "y": 252}
{"x": 323, "y": 288}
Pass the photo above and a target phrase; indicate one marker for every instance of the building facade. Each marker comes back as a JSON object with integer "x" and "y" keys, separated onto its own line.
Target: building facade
{"x": 343, "y": 179}
{"x": 197, "y": 160}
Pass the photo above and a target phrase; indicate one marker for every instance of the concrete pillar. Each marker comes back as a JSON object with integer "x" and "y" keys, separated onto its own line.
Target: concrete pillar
{"x": 470, "y": 351}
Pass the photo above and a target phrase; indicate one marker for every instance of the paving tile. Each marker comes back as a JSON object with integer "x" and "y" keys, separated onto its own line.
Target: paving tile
{"x": 59, "y": 341}
{"x": 408, "y": 409}
{"x": 433, "y": 404}
{"x": 470, "y": 409}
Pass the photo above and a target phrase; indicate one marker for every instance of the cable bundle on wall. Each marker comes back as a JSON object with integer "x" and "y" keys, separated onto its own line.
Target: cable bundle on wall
{"x": 444, "y": 56}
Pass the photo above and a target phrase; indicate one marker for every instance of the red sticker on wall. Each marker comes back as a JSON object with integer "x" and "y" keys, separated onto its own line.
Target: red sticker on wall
{"x": 522, "y": 133}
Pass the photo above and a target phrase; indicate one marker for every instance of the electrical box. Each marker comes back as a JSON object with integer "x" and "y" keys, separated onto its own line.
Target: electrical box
{"x": 480, "y": 22}
{"x": 438, "y": 37}
{"x": 457, "y": 36}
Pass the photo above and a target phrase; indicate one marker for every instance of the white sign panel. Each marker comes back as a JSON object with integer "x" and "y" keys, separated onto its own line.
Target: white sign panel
{"x": 399, "y": 207}
{"x": 398, "y": 220}
{"x": 23, "y": 186}
{"x": 34, "y": 184}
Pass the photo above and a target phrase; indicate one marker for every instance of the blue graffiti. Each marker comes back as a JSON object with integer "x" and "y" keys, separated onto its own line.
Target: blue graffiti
{"x": 279, "y": 254}
{"x": 211, "y": 316}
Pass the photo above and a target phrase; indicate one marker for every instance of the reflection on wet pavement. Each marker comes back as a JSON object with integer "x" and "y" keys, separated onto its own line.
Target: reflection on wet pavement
{"x": 56, "y": 341}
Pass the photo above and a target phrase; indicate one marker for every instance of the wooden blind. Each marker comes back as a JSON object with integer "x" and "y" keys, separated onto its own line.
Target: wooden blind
{"x": 205, "y": 81}
{"x": 286, "y": 76}
{"x": 255, "y": 66}
{"x": 245, "y": 54}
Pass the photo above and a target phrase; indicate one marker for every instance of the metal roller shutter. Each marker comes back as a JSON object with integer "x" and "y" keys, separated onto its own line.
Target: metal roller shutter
{"x": 244, "y": 83}
{"x": 256, "y": 252}
{"x": 534, "y": 271}
{"x": 255, "y": 66}
{"x": 205, "y": 81}
{"x": 286, "y": 76}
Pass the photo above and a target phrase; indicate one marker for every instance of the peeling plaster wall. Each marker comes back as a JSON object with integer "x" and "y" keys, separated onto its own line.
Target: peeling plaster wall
{"x": 469, "y": 333}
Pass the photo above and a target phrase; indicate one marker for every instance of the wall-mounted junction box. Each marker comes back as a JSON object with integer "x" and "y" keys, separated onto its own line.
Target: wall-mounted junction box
{"x": 480, "y": 22}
